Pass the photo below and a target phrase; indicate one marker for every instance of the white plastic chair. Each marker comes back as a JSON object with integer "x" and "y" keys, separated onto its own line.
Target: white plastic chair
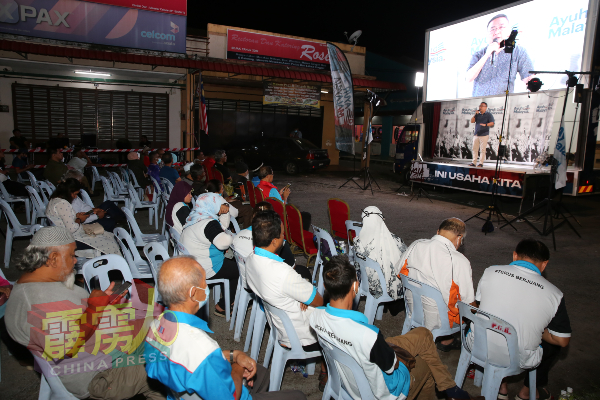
{"x": 50, "y": 185}
{"x": 321, "y": 234}
{"x": 33, "y": 181}
{"x": 110, "y": 195}
{"x": 354, "y": 227}
{"x": 139, "y": 267}
{"x": 236, "y": 226}
{"x": 14, "y": 229}
{"x": 133, "y": 180}
{"x": 51, "y": 387}
{"x": 10, "y": 199}
{"x": 478, "y": 354}
{"x": 45, "y": 192}
{"x": 156, "y": 255}
{"x": 167, "y": 186}
{"x": 335, "y": 358}
{"x": 95, "y": 177}
{"x": 136, "y": 204}
{"x": 175, "y": 237}
{"x": 124, "y": 175}
{"x": 182, "y": 250}
{"x": 373, "y": 305}
{"x": 100, "y": 267}
{"x": 242, "y": 299}
{"x": 38, "y": 209}
{"x": 142, "y": 239}
{"x": 159, "y": 195}
{"x": 281, "y": 354}
{"x": 416, "y": 317}
{"x": 256, "y": 330}
{"x": 118, "y": 185}
{"x": 86, "y": 198}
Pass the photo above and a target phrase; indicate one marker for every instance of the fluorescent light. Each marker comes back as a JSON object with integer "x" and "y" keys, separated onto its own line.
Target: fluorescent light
{"x": 419, "y": 79}
{"x": 92, "y": 73}
{"x": 324, "y": 91}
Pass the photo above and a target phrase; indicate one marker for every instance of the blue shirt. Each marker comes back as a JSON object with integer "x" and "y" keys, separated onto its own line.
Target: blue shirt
{"x": 484, "y": 118}
{"x": 19, "y": 162}
{"x": 170, "y": 173}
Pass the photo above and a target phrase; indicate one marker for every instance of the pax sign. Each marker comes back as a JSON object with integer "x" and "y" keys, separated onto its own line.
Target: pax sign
{"x": 258, "y": 47}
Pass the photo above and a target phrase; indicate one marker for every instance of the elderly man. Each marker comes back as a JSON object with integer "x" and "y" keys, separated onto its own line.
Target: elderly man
{"x": 265, "y": 173}
{"x": 438, "y": 263}
{"x": 55, "y": 168}
{"x": 220, "y": 160}
{"x": 180, "y": 353}
{"x": 520, "y": 295}
{"x": 47, "y": 284}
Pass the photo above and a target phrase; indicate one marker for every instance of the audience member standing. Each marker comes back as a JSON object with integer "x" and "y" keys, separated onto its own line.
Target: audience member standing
{"x": 18, "y": 141}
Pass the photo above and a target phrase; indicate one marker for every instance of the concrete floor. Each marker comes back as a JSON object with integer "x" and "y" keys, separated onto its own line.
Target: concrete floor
{"x": 573, "y": 268}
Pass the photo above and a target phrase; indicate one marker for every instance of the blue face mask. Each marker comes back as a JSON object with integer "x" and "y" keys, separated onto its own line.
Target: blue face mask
{"x": 206, "y": 291}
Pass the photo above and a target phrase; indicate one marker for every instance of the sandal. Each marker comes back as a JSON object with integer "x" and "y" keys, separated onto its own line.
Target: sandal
{"x": 502, "y": 396}
{"x": 455, "y": 345}
{"x": 544, "y": 395}
{"x": 323, "y": 377}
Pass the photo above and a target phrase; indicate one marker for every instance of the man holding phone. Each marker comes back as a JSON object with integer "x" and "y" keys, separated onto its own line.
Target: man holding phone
{"x": 483, "y": 121}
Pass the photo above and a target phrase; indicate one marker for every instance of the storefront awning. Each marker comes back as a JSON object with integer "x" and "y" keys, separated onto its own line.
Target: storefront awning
{"x": 227, "y": 67}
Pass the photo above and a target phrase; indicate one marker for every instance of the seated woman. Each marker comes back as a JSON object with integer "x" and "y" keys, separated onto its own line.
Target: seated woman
{"x": 140, "y": 171}
{"x": 379, "y": 244}
{"x": 206, "y": 237}
{"x": 241, "y": 212}
{"x": 61, "y": 213}
{"x": 179, "y": 206}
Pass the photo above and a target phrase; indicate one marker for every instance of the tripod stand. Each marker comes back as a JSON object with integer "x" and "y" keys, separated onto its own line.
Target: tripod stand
{"x": 494, "y": 208}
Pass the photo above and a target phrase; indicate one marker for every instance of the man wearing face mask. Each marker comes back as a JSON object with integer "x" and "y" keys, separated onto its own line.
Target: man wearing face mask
{"x": 55, "y": 168}
{"x": 180, "y": 353}
{"x": 437, "y": 262}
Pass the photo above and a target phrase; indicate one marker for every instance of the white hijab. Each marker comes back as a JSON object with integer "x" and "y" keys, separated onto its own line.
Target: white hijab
{"x": 379, "y": 244}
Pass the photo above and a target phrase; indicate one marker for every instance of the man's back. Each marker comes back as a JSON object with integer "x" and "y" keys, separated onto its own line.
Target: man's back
{"x": 281, "y": 286}
{"x": 170, "y": 173}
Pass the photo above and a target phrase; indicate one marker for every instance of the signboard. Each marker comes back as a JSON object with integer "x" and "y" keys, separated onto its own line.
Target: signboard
{"x": 177, "y": 7}
{"x": 82, "y": 21}
{"x": 258, "y": 47}
{"x": 292, "y": 95}
{"x": 465, "y": 178}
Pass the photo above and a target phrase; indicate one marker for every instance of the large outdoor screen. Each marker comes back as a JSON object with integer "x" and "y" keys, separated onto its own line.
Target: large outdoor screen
{"x": 465, "y": 60}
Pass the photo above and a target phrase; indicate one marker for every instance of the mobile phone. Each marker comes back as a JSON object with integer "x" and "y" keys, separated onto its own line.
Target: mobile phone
{"x": 118, "y": 290}
{"x": 287, "y": 186}
{"x": 89, "y": 212}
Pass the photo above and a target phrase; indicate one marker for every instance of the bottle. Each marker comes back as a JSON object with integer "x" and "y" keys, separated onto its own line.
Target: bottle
{"x": 570, "y": 394}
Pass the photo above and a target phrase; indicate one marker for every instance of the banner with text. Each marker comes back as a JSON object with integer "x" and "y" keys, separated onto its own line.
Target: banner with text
{"x": 527, "y": 127}
{"x": 177, "y": 7}
{"x": 259, "y": 47}
{"x": 343, "y": 99}
{"x": 292, "y": 95}
{"x": 86, "y": 22}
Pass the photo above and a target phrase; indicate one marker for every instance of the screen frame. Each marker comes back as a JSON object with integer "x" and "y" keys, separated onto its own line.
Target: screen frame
{"x": 586, "y": 55}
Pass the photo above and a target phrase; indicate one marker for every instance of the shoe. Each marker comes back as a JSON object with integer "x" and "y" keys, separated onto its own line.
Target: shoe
{"x": 480, "y": 165}
{"x": 544, "y": 395}
{"x": 471, "y": 165}
{"x": 455, "y": 345}
{"x": 323, "y": 377}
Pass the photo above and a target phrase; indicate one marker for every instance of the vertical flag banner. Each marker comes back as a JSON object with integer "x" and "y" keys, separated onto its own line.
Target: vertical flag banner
{"x": 560, "y": 153}
{"x": 203, "y": 119}
{"x": 343, "y": 99}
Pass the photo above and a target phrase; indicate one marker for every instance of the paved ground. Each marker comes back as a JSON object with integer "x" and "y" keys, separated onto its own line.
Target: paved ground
{"x": 573, "y": 268}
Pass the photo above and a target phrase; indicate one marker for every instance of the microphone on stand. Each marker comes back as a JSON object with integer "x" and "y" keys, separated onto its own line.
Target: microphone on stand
{"x": 495, "y": 41}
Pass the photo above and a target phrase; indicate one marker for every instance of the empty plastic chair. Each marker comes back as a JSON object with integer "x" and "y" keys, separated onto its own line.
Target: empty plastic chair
{"x": 322, "y": 236}
{"x": 10, "y": 199}
{"x": 118, "y": 185}
{"x": 50, "y": 185}
{"x": 139, "y": 267}
{"x": 33, "y": 181}
{"x": 136, "y": 204}
{"x": 336, "y": 387}
{"x": 136, "y": 185}
{"x": 51, "y": 387}
{"x": 110, "y": 195}
{"x": 86, "y": 198}
{"x": 100, "y": 267}
{"x": 156, "y": 255}
{"x": 353, "y": 229}
{"x": 142, "y": 239}
{"x": 281, "y": 354}
{"x": 124, "y": 175}
{"x": 45, "y": 192}
{"x": 416, "y": 317}
{"x": 339, "y": 212}
{"x": 38, "y": 209}
{"x": 159, "y": 195}
{"x": 373, "y": 304}
{"x": 95, "y": 177}
{"x": 14, "y": 229}
{"x": 476, "y": 352}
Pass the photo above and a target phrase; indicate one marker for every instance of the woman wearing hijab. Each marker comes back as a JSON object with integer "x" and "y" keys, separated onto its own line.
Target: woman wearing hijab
{"x": 241, "y": 212}
{"x": 379, "y": 244}
{"x": 206, "y": 237}
{"x": 179, "y": 206}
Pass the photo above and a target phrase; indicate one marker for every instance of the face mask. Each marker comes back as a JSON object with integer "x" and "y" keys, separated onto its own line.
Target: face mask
{"x": 247, "y": 176}
{"x": 206, "y": 291}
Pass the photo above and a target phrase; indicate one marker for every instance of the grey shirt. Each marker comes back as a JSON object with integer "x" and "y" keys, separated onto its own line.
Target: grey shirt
{"x": 484, "y": 118}
{"x": 492, "y": 79}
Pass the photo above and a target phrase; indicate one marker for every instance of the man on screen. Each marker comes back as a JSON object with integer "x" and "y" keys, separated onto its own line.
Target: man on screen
{"x": 488, "y": 69}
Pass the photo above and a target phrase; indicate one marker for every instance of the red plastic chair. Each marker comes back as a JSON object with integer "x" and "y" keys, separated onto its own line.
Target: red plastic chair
{"x": 279, "y": 208}
{"x": 339, "y": 212}
{"x": 217, "y": 175}
{"x": 298, "y": 236}
{"x": 251, "y": 198}
{"x": 258, "y": 195}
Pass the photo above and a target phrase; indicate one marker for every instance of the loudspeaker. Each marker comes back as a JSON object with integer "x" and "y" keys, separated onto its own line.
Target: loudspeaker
{"x": 578, "y": 96}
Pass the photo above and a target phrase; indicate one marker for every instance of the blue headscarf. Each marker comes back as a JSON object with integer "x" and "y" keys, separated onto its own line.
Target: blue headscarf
{"x": 207, "y": 206}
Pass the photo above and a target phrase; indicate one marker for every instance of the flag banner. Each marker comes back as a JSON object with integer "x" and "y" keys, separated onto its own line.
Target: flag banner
{"x": 560, "y": 153}
{"x": 202, "y": 117}
{"x": 527, "y": 126}
{"x": 343, "y": 99}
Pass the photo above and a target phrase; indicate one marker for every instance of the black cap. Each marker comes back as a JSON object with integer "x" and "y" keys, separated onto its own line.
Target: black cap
{"x": 240, "y": 167}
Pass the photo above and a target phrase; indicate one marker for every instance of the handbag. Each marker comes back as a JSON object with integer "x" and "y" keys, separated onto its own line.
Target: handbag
{"x": 93, "y": 229}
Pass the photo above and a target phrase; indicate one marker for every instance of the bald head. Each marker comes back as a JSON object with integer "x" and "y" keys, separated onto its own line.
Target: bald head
{"x": 177, "y": 275}
{"x": 454, "y": 230}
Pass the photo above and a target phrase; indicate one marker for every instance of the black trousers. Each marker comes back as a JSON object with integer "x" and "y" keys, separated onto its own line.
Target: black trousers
{"x": 551, "y": 353}
{"x": 228, "y": 271}
{"x": 109, "y": 224}
{"x": 112, "y": 210}
{"x": 15, "y": 188}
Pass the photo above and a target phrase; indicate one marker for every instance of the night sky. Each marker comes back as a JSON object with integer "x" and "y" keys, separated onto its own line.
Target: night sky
{"x": 394, "y": 29}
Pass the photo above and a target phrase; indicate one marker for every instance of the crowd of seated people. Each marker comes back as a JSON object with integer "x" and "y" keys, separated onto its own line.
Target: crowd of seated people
{"x": 405, "y": 366}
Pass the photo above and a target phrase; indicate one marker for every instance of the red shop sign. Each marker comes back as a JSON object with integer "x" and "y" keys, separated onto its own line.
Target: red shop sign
{"x": 177, "y": 7}
{"x": 258, "y": 47}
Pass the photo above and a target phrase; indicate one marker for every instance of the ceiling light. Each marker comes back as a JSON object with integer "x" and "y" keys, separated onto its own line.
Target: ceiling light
{"x": 419, "y": 79}
{"x": 92, "y": 73}
{"x": 324, "y": 91}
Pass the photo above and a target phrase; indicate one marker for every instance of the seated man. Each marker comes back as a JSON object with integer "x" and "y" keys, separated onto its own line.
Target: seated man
{"x": 240, "y": 178}
{"x": 47, "y": 284}
{"x": 180, "y": 353}
{"x": 437, "y": 263}
{"x": 55, "y": 168}
{"x": 520, "y": 295}
{"x": 21, "y": 163}
{"x": 167, "y": 170}
{"x": 106, "y": 214}
{"x": 265, "y": 173}
{"x": 198, "y": 179}
{"x": 392, "y": 373}
{"x": 220, "y": 160}
{"x": 280, "y": 285}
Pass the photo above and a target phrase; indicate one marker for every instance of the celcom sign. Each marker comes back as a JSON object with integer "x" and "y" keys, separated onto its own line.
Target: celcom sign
{"x": 81, "y": 21}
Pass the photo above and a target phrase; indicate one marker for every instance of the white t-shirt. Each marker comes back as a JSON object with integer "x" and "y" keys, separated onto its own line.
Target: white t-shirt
{"x": 81, "y": 206}
{"x": 526, "y": 300}
{"x": 281, "y": 286}
{"x": 436, "y": 262}
{"x": 207, "y": 241}
{"x": 77, "y": 163}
